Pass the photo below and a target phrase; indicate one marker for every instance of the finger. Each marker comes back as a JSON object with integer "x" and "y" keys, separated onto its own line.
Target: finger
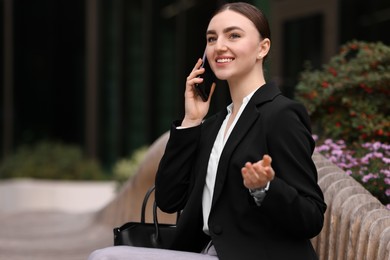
{"x": 247, "y": 170}
{"x": 263, "y": 172}
{"x": 193, "y": 81}
{"x": 270, "y": 173}
{"x": 251, "y": 174}
{"x": 194, "y": 76}
{"x": 244, "y": 171}
{"x": 198, "y": 64}
{"x": 247, "y": 180}
{"x": 266, "y": 162}
{"x": 249, "y": 167}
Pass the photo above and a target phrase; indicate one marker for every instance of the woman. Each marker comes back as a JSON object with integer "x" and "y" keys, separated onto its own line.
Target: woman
{"x": 219, "y": 171}
{"x": 243, "y": 178}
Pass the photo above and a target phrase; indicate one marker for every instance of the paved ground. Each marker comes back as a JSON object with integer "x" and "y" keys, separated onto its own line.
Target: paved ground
{"x": 51, "y": 236}
{"x": 56, "y": 235}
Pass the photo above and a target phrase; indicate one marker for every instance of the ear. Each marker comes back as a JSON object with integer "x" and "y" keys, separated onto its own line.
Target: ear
{"x": 264, "y": 47}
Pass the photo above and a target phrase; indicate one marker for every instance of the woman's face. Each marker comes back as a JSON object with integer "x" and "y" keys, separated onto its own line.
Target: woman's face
{"x": 233, "y": 46}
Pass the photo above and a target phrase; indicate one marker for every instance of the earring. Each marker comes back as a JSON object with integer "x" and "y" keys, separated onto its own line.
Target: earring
{"x": 259, "y": 57}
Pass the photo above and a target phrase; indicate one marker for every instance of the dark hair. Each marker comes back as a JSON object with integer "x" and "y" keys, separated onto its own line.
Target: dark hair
{"x": 252, "y": 13}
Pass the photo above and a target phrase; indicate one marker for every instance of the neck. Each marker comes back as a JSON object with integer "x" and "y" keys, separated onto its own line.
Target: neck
{"x": 239, "y": 89}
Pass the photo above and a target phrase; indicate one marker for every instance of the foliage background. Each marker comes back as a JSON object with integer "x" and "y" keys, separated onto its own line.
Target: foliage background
{"x": 348, "y": 101}
{"x": 50, "y": 160}
{"x": 349, "y": 97}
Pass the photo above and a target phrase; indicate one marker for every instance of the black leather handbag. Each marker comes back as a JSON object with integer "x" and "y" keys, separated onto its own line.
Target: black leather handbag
{"x": 141, "y": 234}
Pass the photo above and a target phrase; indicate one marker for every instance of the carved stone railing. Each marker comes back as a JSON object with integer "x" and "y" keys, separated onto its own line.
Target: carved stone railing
{"x": 357, "y": 225}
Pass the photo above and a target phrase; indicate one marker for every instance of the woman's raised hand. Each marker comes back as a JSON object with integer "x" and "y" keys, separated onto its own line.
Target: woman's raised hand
{"x": 257, "y": 175}
{"x": 195, "y": 108}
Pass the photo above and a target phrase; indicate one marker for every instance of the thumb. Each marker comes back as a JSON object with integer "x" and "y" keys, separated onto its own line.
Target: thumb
{"x": 212, "y": 90}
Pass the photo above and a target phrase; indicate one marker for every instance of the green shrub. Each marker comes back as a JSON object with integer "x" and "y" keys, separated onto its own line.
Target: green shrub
{"x": 50, "y": 160}
{"x": 349, "y": 98}
{"x": 127, "y": 167}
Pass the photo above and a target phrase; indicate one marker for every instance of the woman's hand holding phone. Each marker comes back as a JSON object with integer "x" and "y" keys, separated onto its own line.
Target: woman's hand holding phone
{"x": 195, "y": 108}
{"x": 203, "y": 89}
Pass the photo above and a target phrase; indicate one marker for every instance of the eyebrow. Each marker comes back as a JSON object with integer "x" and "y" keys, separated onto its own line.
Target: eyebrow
{"x": 226, "y": 30}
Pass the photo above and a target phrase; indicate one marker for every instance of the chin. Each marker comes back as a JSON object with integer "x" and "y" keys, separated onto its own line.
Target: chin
{"x": 221, "y": 76}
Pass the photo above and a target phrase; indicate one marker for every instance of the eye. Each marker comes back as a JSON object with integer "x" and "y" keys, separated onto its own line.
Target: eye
{"x": 234, "y": 36}
{"x": 211, "y": 39}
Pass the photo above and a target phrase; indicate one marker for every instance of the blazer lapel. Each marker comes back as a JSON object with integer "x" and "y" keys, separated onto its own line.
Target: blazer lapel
{"x": 248, "y": 117}
{"x": 210, "y": 131}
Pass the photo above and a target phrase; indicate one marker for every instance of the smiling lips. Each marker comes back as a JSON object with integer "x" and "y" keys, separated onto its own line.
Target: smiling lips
{"x": 224, "y": 60}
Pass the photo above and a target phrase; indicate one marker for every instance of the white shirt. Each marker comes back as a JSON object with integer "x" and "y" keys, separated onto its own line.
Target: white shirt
{"x": 216, "y": 152}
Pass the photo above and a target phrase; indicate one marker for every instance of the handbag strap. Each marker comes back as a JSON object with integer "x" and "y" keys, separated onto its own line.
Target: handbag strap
{"x": 143, "y": 209}
{"x": 147, "y": 195}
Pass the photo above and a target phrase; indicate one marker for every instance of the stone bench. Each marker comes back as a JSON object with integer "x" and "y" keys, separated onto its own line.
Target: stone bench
{"x": 357, "y": 225}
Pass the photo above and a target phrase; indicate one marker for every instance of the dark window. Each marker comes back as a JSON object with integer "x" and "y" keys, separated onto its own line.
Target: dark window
{"x": 302, "y": 41}
{"x": 365, "y": 20}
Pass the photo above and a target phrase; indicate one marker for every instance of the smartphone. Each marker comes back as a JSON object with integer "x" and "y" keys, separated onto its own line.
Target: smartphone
{"x": 203, "y": 89}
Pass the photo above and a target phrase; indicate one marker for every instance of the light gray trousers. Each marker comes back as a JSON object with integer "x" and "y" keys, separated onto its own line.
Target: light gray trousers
{"x": 142, "y": 253}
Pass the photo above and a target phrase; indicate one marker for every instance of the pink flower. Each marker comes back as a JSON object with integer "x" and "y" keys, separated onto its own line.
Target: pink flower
{"x": 348, "y": 172}
{"x": 369, "y": 176}
{"x": 386, "y": 160}
{"x": 376, "y": 146}
{"x": 386, "y": 172}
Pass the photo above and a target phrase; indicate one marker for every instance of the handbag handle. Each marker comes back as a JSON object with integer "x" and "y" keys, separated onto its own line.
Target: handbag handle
{"x": 155, "y": 220}
{"x": 147, "y": 195}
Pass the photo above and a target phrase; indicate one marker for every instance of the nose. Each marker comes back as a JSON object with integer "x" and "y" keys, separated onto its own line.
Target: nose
{"x": 220, "y": 45}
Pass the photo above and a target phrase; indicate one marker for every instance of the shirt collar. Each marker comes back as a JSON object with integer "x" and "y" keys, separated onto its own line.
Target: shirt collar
{"x": 245, "y": 101}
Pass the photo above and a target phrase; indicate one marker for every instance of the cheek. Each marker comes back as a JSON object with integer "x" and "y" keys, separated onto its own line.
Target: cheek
{"x": 248, "y": 50}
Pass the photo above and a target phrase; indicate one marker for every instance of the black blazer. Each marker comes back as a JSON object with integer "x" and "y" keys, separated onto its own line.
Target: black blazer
{"x": 291, "y": 213}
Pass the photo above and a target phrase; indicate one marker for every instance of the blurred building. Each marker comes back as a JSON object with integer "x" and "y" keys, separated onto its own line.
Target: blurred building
{"x": 109, "y": 75}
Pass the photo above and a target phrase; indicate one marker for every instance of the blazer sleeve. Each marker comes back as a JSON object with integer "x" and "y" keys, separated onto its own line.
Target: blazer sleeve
{"x": 294, "y": 199}
{"x": 173, "y": 177}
